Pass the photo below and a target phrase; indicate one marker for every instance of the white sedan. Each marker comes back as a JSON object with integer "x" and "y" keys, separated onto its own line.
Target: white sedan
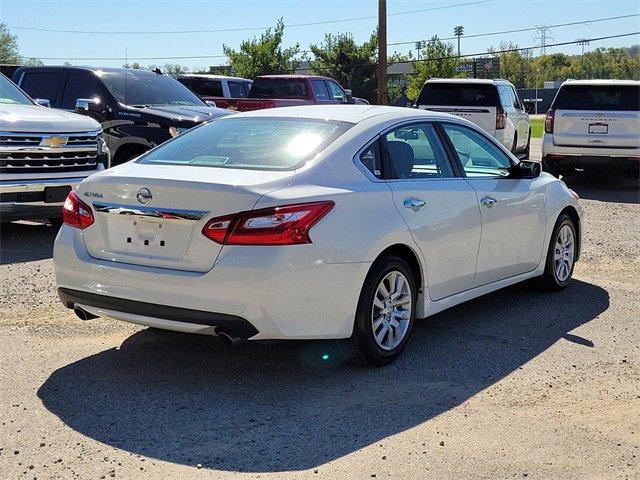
{"x": 343, "y": 222}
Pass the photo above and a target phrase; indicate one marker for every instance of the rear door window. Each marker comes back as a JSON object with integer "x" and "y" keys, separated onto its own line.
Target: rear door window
{"x": 78, "y": 86}
{"x": 598, "y": 97}
{"x": 458, "y": 94}
{"x": 279, "y": 88}
{"x": 506, "y": 97}
{"x": 42, "y": 85}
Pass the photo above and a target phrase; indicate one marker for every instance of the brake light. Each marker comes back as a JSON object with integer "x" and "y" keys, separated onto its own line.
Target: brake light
{"x": 501, "y": 118}
{"x": 549, "y": 121}
{"x": 285, "y": 225}
{"x": 76, "y": 213}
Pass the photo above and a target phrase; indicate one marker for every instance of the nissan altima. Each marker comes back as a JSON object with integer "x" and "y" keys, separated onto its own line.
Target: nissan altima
{"x": 313, "y": 222}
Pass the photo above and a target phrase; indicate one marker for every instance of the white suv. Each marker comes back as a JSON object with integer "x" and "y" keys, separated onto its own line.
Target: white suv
{"x": 44, "y": 154}
{"x": 493, "y": 105}
{"x": 593, "y": 124}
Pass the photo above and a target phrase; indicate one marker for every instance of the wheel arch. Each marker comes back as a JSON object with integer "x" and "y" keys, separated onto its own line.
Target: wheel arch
{"x": 573, "y": 214}
{"x": 409, "y": 255}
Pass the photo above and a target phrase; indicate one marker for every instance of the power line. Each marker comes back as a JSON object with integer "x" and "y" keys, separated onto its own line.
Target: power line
{"x": 528, "y": 29}
{"x": 506, "y": 50}
{"x": 227, "y": 30}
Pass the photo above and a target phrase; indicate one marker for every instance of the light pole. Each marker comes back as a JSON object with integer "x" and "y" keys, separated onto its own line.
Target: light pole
{"x": 458, "y": 32}
{"x": 582, "y": 42}
{"x": 382, "y": 52}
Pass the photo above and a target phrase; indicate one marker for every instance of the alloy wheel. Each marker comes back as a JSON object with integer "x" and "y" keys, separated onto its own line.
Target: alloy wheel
{"x": 564, "y": 253}
{"x": 391, "y": 310}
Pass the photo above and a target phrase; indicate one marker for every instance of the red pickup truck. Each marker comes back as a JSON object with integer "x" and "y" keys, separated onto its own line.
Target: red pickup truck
{"x": 269, "y": 91}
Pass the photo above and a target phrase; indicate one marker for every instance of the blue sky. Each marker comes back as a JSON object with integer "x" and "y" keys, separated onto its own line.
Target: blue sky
{"x": 161, "y": 15}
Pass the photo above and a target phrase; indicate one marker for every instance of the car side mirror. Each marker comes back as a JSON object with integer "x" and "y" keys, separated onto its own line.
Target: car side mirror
{"x": 211, "y": 103}
{"x": 528, "y": 169}
{"x": 43, "y": 102}
{"x": 84, "y": 105}
{"x": 348, "y": 96}
{"x": 91, "y": 107}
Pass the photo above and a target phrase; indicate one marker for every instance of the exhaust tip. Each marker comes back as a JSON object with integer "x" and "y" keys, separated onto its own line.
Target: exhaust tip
{"x": 227, "y": 338}
{"x": 83, "y": 314}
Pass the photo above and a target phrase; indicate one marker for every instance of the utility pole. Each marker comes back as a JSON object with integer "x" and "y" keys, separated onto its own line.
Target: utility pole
{"x": 582, "y": 42}
{"x": 419, "y": 46}
{"x": 458, "y": 32}
{"x": 543, "y": 31}
{"x": 382, "y": 52}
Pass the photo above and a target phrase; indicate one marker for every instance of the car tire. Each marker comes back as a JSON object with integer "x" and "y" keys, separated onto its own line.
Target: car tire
{"x": 382, "y": 326}
{"x": 561, "y": 255}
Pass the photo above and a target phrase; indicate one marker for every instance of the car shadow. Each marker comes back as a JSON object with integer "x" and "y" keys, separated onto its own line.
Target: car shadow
{"x": 291, "y": 406}
{"x": 604, "y": 187}
{"x": 26, "y": 241}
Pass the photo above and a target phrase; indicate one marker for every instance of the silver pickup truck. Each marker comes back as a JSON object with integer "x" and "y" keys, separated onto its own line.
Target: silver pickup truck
{"x": 44, "y": 153}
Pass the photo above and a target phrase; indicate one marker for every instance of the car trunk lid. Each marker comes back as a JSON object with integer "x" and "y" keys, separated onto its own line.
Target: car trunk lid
{"x": 153, "y": 215}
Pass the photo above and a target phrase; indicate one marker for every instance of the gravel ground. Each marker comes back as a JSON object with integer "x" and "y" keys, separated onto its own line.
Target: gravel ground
{"x": 512, "y": 385}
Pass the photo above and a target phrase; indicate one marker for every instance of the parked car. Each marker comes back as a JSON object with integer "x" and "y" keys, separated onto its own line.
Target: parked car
{"x": 343, "y": 222}
{"x": 593, "y": 125}
{"x": 493, "y": 105}
{"x": 44, "y": 153}
{"x": 138, "y": 109}
{"x": 271, "y": 91}
{"x": 224, "y": 91}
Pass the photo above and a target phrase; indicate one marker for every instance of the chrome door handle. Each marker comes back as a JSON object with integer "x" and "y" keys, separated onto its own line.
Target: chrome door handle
{"x": 414, "y": 203}
{"x": 488, "y": 201}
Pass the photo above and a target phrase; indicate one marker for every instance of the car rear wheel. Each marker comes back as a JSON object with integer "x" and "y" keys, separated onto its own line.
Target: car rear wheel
{"x": 561, "y": 255}
{"x": 385, "y": 314}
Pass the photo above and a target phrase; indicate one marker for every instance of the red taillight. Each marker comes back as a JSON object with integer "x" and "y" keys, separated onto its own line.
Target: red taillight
{"x": 285, "y": 225}
{"x": 501, "y": 118}
{"x": 76, "y": 213}
{"x": 549, "y": 120}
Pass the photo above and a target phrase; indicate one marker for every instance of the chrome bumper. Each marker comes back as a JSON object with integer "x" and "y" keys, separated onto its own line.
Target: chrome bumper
{"x": 15, "y": 209}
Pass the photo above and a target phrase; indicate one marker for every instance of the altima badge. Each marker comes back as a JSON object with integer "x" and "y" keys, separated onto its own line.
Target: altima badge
{"x": 144, "y": 196}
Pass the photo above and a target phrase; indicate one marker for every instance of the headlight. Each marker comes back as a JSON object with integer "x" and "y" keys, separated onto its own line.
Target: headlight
{"x": 104, "y": 154}
{"x": 175, "y": 131}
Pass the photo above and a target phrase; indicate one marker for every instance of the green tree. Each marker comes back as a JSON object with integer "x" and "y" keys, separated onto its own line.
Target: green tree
{"x": 352, "y": 65}
{"x": 514, "y": 65}
{"x": 32, "y": 62}
{"x": 437, "y": 59}
{"x": 8, "y": 46}
{"x": 264, "y": 55}
{"x": 171, "y": 69}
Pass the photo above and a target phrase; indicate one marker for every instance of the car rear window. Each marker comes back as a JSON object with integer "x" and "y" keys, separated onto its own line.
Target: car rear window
{"x": 598, "y": 97}
{"x": 459, "y": 94}
{"x": 278, "y": 88}
{"x": 249, "y": 143}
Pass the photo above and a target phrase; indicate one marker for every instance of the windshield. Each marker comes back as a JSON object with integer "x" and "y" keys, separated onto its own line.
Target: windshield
{"x": 142, "y": 89}
{"x": 278, "y": 88}
{"x": 598, "y": 97}
{"x": 253, "y": 143}
{"x": 10, "y": 94}
{"x": 459, "y": 94}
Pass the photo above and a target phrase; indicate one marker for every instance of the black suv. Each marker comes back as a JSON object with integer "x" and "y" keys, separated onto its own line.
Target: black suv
{"x": 138, "y": 109}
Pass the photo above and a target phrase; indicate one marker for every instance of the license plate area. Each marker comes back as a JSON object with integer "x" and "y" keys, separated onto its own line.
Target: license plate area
{"x": 56, "y": 194}
{"x": 149, "y": 238}
{"x": 598, "y": 128}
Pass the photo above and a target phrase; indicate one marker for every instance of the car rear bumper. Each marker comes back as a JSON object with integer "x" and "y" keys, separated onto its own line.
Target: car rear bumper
{"x": 567, "y": 163}
{"x": 281, "y": 292}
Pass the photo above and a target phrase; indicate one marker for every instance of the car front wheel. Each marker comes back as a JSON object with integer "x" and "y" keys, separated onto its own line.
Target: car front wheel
{"x": 561, "y": 255}
{"x": 385, "y": 315}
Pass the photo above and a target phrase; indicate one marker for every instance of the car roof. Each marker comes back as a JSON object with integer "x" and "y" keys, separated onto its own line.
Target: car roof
{"x": 483, "y": 81}
{"x": 213, "y": 77}
{"x": 91, "y": 69}
{"x": 602, "y": 82}
{"x": 344, "y": 113}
